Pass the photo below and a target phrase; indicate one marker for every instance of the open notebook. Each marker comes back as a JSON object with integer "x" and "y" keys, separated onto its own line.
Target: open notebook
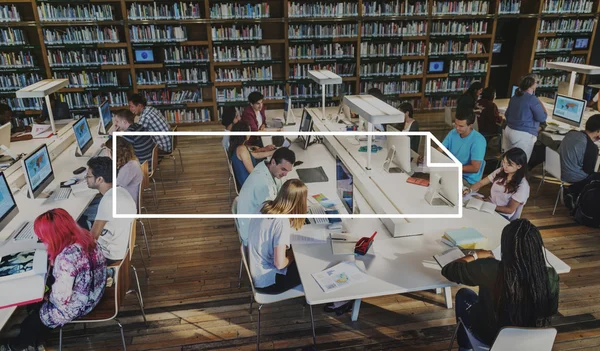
{"x": 481, "y": 205}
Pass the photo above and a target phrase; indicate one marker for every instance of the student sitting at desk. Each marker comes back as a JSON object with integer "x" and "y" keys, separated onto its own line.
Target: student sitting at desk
{"x": 6, "y": 116}
{"x": 410, "y": 125}
{"x": 243, "y": 157}
{"x": 60, "y": 110}
{"x": 578, "y": 156}
{"x": 152, "y": 120}
{"x": 129, "y": 170}
{"x": 510, "y": 189}
{"x": 229, "y": 117}
{"x": 254, "y": 114}
{"x": 524, "y": 114}
{"x": 466, "y": 102}
{"x": 489, "y": 119}
{"x": 142, "y": 144}
{"x": 262, "y": 185}
{"x": 272, "y": 264}
{"x": 77, "y": 280}
{"x": 112, "y": 233}
{"x": 468, "y": 146}
{"x": 520, "y": 290}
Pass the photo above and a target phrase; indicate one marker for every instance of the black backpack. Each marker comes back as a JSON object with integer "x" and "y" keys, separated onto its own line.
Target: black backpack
{"x": 587, "y": 207}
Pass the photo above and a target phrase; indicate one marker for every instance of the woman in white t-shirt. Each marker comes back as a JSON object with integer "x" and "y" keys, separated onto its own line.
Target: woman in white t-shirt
{"x": 510, "y": 189}
{"x": 272, "y": 264}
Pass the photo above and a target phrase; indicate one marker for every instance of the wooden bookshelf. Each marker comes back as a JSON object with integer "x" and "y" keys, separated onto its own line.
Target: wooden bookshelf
{"x": 275, "y": 35}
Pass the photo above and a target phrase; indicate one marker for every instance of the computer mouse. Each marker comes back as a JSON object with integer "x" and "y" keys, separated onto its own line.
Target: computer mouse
{"x": 70, "y": 182}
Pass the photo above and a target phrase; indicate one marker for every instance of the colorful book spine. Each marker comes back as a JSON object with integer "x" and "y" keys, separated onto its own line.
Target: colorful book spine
{"x": 392, "y": 88}
{"x": 58, "y": 13}
{"x": 86, "y": 57}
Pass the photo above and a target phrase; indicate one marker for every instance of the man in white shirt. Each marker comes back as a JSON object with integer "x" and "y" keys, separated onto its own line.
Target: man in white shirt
{"x": 111, "y": 233}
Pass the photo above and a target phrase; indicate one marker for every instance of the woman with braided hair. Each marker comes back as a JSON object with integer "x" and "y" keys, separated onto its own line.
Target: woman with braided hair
{"x": 520, "y": 290}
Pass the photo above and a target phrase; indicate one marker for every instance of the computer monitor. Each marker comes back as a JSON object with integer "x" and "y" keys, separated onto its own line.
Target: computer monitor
{"x": 38, "y": 170}
{"x": 105, "y": 118}
{"x": 449, "y": 189}
{"x": 344, "y": 184}
{"x": 83, "y": 135}
{"x": 8, "y": 206}
{"x": 398, "y": 152}
{"x": 144, "y": 55}
{"x": 581, "y": 43}
{"x": 563, "y": 89}
{"x": 568, "y": 110}
{"x": 5, "y": 134}
{"x": 436, "y": 66}
{"x": 497, "y": 48}
{"x": 514, "y": 90}
{"x": 306, "y": 125}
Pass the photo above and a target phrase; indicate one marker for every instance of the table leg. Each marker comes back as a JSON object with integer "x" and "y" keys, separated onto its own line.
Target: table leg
{"x": 448, "y": 297}
{"x": 355, "y": 310}
{"x": 438, "y": 291}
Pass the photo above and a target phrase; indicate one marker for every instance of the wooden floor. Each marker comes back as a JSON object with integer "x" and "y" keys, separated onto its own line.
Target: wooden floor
{"x": 193, "y": 302}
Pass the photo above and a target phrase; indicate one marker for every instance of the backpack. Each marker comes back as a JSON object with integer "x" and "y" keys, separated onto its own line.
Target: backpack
{"x": 587, "y": 206}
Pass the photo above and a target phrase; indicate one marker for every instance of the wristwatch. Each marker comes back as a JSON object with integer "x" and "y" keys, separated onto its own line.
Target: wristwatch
{"x": 474, "y": 254}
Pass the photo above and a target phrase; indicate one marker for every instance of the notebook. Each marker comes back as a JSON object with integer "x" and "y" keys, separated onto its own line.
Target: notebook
{"x": 448, "y": 256}
{"x": 22, "y": 278}
{"x": 466, "y": 238}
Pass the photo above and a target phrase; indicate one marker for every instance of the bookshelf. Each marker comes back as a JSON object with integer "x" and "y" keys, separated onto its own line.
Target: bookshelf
{"x": 212, "y": 53}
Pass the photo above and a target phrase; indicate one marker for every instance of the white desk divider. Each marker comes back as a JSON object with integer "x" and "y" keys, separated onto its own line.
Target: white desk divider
{"x": 324, "y": 77}
{"x": 374, "y": 111}
{"x": 574, "y": 68}
{"x": 43, "y": 89}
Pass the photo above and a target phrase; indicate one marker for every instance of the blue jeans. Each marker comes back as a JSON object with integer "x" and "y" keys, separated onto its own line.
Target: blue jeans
{"x": 465, "y": 300}
{"x": 89, "y": 215}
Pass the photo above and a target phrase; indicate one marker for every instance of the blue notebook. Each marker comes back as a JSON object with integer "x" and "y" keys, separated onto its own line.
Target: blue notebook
{"x": 464, "y": 236}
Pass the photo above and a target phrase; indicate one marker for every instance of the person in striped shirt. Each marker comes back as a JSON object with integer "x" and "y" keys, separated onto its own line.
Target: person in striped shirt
{"x": 152, "y": 120}
{"x": 142, "y": 144}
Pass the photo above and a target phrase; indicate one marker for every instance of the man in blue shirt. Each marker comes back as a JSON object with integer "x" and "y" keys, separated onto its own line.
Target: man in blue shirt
{"x": 468, "y": 146}
{"x": 262, "y": 185}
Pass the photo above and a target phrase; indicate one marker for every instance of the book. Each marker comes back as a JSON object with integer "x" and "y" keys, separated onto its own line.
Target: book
{"x": 343, "y": 244}
{"x": 448, "y": 256}
{"x": 481, "y": 205}
{"x": 341, "y": 275}
{"x": 465, "y": 238}
{"x": 22, "y": 278}
{"x": 418, "y": 181}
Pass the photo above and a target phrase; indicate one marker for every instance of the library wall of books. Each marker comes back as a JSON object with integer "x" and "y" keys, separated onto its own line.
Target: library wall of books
{"x": 191, "y": 58}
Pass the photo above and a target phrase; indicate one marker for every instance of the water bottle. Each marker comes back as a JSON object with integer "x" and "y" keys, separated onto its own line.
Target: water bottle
{"x": 587, "y": 95}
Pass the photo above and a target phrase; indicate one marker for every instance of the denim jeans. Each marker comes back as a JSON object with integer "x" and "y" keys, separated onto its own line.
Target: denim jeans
{"x": 465, "y": 300}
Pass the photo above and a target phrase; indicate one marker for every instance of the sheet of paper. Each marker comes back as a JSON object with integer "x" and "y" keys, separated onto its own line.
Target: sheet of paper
{"x": 448, "y": 256}
{"x": 316, "y": 237}
{"x": 470, "y": 195}
{"x": 342, "y": 275}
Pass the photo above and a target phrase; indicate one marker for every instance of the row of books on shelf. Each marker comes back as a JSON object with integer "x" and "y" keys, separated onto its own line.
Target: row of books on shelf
{"x": 81, "y": 35}
{"x": 239, "y": 53}
{"x": 16, "y": 81}
{"x": 300, "y": 71}
{"x": 87, "y": 100}
{"x": 554, "y": 44}
{"x": 90, "y": 79}
{"x": 169, "y": 97}
{"x": 456, "y": 47}
{"x": 468, "y": 66}
{"x": 322, "y": 9}
{"x": 392, "y": 88}
{"x": 569, "y": 25}
{"x": 157, "y": 34}
{"x": 394, "y": 8}
{"x": 244, "y": 74}
{"x": 307, "y": 31}
{"x": 474, "y": 7}
{"x": 186, "y": 54}
{"x": 156, "y": 11}
{"x": 458, "y": 27}
{"x": 18, "y": 122}
{"x": 387, "y": 69}
{"x": 540, "y": 63}
{"x": 448, "y": 85}
{"x": 407, "y": 48}
{"x": 439, "y": 103}
{"x": 173, "y": 76}
{"x": 551, "y": 81}
{"x": 509, "y": 7}
{"x": 239, "y": 11}
{"x": 88, "y": 12}
{"x": 195, "y": 115}
{"x": 567, "y": 6}
{"x": 394, "y": 29}
{"x": 17, "y": 104}
{"x": 9, "y": 13}
{"x": 16, "y": 59}
{"x": 313, "y": 90}
{"x": 324, "y": 51}
{"x": 243, "y": 32}
{"x": 87, "y": 57}
{"x": 12, "y": 36}
{"x": 270, "y": 92}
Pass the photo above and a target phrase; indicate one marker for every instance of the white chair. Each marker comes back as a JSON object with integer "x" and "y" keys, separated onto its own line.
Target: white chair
{"x": 448, "y": 117}
{"x": 512, "y": 339}
{"x": 552, "y": 166}
{"x": 237, "y": 229}
{"x": 265, "y": 299}
{"x": 231, "y": 175}
{"x": 517, "y": 213}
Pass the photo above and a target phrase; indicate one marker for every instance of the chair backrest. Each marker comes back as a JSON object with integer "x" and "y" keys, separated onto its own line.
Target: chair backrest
{"x": 174, "y": 138}
{"x": 476, "y": 344}
{"x": 122, "y": 279}
{"x": 154, "y": 161}
{"x": 232, "y": 175}
{"x": 243, "y": 250}
{"x": 132, "y": 238}
{"x": 517, "y": 213}
{"x": 448, "y": 117}
{"x": 552, "y": 163}
{"x": 234, "y": 206}
{"x": 524, "y": 339}
{"x": 146, "y": 177}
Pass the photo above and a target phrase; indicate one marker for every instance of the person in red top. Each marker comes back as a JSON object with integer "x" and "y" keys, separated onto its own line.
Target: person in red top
{"x": 254, "y": 115}
{"x": 489, "y": 119}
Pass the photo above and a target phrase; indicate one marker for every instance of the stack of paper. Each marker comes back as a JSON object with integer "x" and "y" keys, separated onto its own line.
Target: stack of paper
{"x": 340, "y": 276}
{"x": 466, "y": 238}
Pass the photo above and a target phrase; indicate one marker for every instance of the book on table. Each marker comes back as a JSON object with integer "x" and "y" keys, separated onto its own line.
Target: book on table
{"x": 465, "y": 238}
{"x": 23, "y": 278}
{"x": 481, "y": 205}
{"x": 448, "y": 256}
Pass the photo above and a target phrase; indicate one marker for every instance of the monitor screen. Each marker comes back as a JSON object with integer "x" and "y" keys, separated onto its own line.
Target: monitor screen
{"x": 38, "y": 169}
{"x": 497, "y": 48}
{"x": 581, "y": 43}
{"x": 436, "y": 66}
{"x": 82, "y": 134}
{"x": 106, "y": 116}
{"x": 144, "y": 55}
{"x": 345, "y": 185}
{"x": 568, "y": 110}
{"x": 514, "y": 90}
{"x": 8, "y": 206}
{"x": 306, "y": 126}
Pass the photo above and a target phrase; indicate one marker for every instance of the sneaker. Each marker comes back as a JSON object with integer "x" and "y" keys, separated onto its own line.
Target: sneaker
{"x": 570, "y": 201}
{"x": 329, "y": 308}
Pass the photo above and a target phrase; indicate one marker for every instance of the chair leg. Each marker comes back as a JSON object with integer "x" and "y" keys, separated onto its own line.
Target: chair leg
{"x": 143, "y": 262}
{"x": 557, "y": 197}
{"x": 162, "y": 181}
{"x": 154, "y": 193}
{"x": 175, "y": 168}
{"x": 229, "y": 183}
{"x": 312, "y": 324}
{"x": 258, "y": 330}
{"x": 240, "y": 275}
{"x": 180, "y": 160}
{"x": 454, "y": 336}
{"x": 122, "y": 334}
{"x": 251, "y": 301}
{"x": 541, "y": 182}
{"x": 60, "y": 339}
{"x": 137, "y": 282}
{"x": 145, "y": 238}
{"x": 138, "y": 295}
{"x": 149, "y": 223}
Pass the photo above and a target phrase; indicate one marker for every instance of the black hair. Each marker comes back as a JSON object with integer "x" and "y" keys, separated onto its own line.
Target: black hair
{"x": 407, "y": 107}
{"x": 126, "y": 115}
{"x": 278, "y": 140}
{"x": 284, "y": 154}
{"x": 4, "y": 108}
{"x": 522, "y": 291}
{"x": 593, "y": 123}
{"x": 473, "y": 88}
{"x": 518, "y": 157}
{"x": 467, "y": 115}
{"x": 527, "y": 82}
{"x": 228, "y": 115}
{"x": 255, "y": 97}
{"x": 237, "y": 140}
{"x": 376, "y": 93}
{"x": 101, "y": 167}
{"x": 488, "y": 93}
{"x": 137, "y": 99}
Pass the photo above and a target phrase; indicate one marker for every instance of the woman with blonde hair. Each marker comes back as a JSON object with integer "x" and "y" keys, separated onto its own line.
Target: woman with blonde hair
{"x": 272, "y": 264}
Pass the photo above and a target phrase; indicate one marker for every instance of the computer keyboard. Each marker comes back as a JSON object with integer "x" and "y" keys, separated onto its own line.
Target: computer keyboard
{"x": 60, "y": 194}
{"x": 317, "y": 210}
{"x": 26, "y": 232}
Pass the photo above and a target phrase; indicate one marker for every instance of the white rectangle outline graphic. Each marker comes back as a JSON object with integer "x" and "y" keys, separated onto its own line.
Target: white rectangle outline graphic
{"x": 429, "y": 139}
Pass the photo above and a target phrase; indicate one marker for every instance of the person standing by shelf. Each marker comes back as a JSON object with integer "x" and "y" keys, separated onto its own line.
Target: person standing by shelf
{"x": 254, "y": 114}
{"x": 152, "y": 121}
{"x": 524, "y": 114}
{"x": 466, "y": 102}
